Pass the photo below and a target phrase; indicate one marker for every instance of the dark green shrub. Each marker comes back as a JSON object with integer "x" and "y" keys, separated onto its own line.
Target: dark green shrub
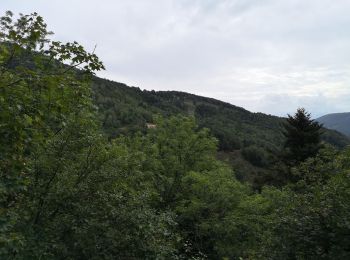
{"x": 255, "y": 155}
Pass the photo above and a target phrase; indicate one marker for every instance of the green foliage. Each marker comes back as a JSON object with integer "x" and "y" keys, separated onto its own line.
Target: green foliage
{"x": 303, "y": 136}
{"x": 126, "y": 110}
{"x": 93, "y": 207}
{"x": 207, "y": 213}
{"x": 68, "y": 191}
{"x": 36, "y": 101}
{"x": 255, "y": 155}
{"x": 310, "y": 219}
{"x": 180, "y": 150}
{"x": 65, "y": 192}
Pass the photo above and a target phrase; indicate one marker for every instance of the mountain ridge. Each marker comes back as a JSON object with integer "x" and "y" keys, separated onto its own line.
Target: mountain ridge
{"x": 249, "y": 141}
{"x": 337, "y": 121}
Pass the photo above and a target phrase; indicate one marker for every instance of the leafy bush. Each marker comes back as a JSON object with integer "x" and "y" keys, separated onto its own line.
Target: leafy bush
{"x": 255, "y": 155}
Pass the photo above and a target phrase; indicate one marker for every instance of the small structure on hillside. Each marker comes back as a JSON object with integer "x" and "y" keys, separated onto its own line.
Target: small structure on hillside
{"x": 150, "y": 125}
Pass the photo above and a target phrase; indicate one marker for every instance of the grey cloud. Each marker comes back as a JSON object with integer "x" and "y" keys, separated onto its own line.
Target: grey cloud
{"x": 270, "y": 56}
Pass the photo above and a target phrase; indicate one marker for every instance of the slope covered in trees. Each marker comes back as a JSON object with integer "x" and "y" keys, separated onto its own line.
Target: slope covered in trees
{"x": 126, "y": 109}
{"x": 69, "y": 191}
{"x": 251, "y": 142}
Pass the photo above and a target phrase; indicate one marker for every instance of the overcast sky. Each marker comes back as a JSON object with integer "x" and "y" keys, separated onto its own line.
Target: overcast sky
{"x": 270, "y": 56}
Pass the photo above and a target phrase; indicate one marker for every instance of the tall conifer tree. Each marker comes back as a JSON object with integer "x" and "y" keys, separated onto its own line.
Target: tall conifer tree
{"x": 303, "y": 137}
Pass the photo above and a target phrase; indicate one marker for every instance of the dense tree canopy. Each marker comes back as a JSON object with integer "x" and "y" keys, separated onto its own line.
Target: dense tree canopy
{"x": 303, "y": 136}
{"x": 68, "y": 190}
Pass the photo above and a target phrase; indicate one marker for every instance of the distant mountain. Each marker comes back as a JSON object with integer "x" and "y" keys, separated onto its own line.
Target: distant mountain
{"x": 337, "y": 121}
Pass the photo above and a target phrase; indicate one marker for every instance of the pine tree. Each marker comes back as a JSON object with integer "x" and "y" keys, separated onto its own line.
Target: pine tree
{"x": 303, "y": 137}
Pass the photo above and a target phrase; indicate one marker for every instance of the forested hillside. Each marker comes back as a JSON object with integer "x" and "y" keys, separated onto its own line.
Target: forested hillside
{"x": 82, "y": 177}
{"x": 251, "y": 142}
